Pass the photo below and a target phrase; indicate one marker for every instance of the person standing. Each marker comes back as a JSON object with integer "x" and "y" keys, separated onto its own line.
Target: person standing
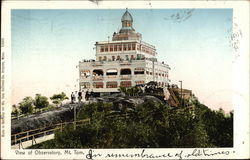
{"x": 79, "y": 96}
{"x": 72, "y": 97}
{"x": 87, "y": 95}
{"x": 76, "y": 95}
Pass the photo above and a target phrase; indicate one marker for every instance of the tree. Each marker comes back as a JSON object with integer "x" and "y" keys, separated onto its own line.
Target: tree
{"x": 58, "y": 98}
{"x": 149, "y": 125}
{"x": 41, "y": 101}
{"x": 15, "y": 111}
{"x": 26, "y": 105}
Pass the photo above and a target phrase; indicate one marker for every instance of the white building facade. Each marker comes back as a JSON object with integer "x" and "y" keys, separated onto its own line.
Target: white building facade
{"x": 125, "y": 61}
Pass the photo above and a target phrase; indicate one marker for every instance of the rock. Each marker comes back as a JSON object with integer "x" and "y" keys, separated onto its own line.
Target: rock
{"x": 66, "y": 112}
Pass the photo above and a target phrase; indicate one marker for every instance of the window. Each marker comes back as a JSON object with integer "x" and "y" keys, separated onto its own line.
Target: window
{"x": 133, "y": 46}
{"x": 104, "y": 58}
{"x": 139, "y": 82}
{"x": 125, "y": 71}
{"x": 127, "y": 57}
{"x": 102, "y": 49}
{"x": 129, "y": 46}
{"x": 85, "y": 73}
{"x": 100, "y": 58}
{"x": 111, "y": 72}
{"x": 126, "y": 84}
{"x": 120, "y": 47}
{"x": 106, "y": 48}
{"x": 132, "y": 57}
{"x": 97, "y": 72}
{"x": 111, "y": 48}
{"x": 124, "y": 47}
{"x": 98, "y": 84}
{"x": 138, "y": 56}
{"x": 118, "y": 57}
{"x": 115, "y": 47}
{"x": 139, "y": 71}
{"x": 111, "y": 84}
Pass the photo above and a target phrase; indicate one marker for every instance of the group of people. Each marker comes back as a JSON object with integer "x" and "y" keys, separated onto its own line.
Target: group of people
{"x": 79, "y": 95}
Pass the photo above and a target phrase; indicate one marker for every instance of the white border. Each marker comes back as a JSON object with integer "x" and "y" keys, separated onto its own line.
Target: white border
{"x": 240, "y": 71}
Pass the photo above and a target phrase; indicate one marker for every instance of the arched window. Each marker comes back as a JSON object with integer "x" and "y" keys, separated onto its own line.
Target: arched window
{"x": 126, "y": 71}
{"x": 97, "y": 72}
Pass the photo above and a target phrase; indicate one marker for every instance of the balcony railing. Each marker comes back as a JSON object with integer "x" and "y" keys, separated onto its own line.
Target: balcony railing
{"x": 125, "y": 77}
{"x": 125, "y": 62}
{"x": 96, "y": 78}
{"x": 97, "y": 63}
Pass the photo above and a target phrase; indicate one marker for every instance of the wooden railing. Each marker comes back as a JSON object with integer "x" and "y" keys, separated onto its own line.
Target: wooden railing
{"x": 20, "y": 137}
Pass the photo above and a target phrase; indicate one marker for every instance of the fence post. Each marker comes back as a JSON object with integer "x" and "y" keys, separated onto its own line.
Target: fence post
{"x": 15, "y": 138}
{"x": 32, "y": 140}
{"x": 19, "y": 144}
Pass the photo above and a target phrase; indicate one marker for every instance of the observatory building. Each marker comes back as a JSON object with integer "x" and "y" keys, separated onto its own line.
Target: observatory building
{"x": 124, "y": 61}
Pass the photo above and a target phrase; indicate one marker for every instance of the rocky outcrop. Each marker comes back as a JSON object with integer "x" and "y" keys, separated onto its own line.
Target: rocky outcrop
{"x": 45, "y": 119}
{"x": 66, "y": 112}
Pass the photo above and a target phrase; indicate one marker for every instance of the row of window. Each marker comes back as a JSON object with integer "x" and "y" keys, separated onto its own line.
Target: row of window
{"x": 124, "y": 71}
{"x": 126, "y": 47}
{"x": 114, "y": 84}
{"x": 111, "y": 84}
{"x": 117, "y": 58}
{"x": 118, "y": 47}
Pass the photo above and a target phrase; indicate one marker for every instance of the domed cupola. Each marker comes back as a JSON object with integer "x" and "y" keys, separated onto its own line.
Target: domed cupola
{"x": 127, "y": 32}
{"x": 127, "y": 22}
{"x": 127, "y": 16}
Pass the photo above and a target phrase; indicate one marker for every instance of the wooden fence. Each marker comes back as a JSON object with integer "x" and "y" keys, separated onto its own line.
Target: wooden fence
{"x": 20, "y": 137}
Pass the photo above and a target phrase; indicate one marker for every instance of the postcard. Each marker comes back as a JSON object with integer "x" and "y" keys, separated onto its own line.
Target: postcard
{"x": 125, "y": 80}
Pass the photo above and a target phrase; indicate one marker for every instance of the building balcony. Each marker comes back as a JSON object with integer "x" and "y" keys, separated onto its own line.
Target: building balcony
{"x": 97, "y": 78}
{"x": 97, "y": 63}
{"x": 111, "y": 76}
{"x": 125, "y": 62}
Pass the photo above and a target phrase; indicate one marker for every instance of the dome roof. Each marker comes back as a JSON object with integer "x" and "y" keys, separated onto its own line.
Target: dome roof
{"x": 127, "y": 16}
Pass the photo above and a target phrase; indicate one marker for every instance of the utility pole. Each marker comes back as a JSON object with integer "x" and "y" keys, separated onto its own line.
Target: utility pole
{"x": 181, "y": 94}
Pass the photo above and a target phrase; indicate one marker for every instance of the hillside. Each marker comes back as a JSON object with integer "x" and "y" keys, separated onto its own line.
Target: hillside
{"x": 145, "y": 121}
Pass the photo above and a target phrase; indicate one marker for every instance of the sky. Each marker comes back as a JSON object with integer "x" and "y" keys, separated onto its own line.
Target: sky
{"x": 47, "y": 45}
